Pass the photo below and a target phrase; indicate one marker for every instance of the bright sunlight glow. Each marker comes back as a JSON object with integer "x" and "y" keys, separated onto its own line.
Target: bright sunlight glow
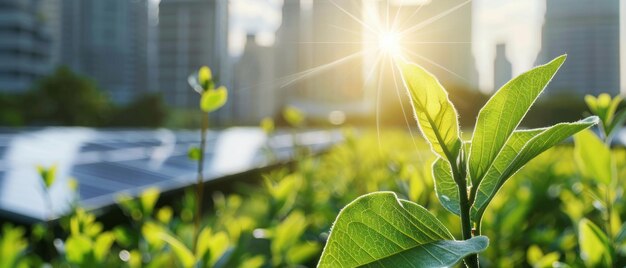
{"x": 389, "y": 42}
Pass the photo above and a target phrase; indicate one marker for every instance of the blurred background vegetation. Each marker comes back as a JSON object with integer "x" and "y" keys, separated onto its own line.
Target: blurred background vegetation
{"x": 65, "y": 98}
{"x": 281, "y": 217}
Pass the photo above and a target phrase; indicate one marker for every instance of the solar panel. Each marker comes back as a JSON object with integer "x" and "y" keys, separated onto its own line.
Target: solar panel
{"x": 106, "y": 163}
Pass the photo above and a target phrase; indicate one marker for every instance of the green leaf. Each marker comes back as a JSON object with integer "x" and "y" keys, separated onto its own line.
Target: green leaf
{"x": 148, "y": 199}
{"x": 286, "y": 234}
{"x": 522, "y": 147}
{"x": 211, "y": 247}
{"x": 436, "y": 116}
{"x": 293, "y": 116}
{"x": 621, "y": 235}
{"x": 443, "y": 253}
{"x": 12, "y": 245}
{"x": 77, "y": 247}
{"x": 593, "y": 157}
{"x": 102, "y": 246}
{"x": 213, "y": 99}
{"x": 183, "y": 254}
{"x": 194, "y": 153}
{"x": 502, "y": 114}
{"x": 47, "y": 175}
{"x": 267, "y": 125}
{"x": 594, "y": 246}
{"x": 205, "y": 78}
{"x": 616, "y": 124}
{"x": 445, "y": 187}
{"x": 379, "y": 228}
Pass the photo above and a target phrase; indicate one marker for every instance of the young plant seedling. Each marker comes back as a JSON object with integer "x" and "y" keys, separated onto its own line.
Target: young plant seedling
{"x": 211, "y": 99}
{"x": 381, "y": 230}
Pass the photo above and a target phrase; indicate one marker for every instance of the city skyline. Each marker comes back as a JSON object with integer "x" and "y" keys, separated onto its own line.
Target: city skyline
{"x": 154, "y": 45}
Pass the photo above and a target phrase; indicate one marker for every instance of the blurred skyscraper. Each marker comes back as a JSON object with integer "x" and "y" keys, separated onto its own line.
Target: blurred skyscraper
{"x": 24, "y": 45}
{"x": 588, "y": 31}
{"x": 517, "y": 24}
{"x": 107, "y": 41}
{"x": 439, "y": 38}
{"x": 503, "y": 68}
{"x": 331, "y": 59}
{"x": 192, "y": 33}
{"x": 254, "y": 94}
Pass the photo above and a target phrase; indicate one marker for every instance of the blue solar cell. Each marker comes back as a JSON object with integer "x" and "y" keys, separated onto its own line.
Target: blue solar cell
{"x": 86, "y": 191}
{"x": 119, "y": 173}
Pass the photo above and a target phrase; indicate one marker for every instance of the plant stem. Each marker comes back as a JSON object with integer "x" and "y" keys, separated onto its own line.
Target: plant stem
{"x": 466, "y": 223}
{"x": 464, "y": 204}
{"x": 200, "y": 181}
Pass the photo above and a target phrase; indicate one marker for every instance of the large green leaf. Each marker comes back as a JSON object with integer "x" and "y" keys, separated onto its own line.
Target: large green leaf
{"x": 445, "y": 187}
{"x": 444, "y": 253}
{"x": 522, "y": 147}
{"x": 380, "y": 229}
{"x": 593, "y": 157}
{"x": 594, "y": 245}
{"x": 182, "y": 253}
{"x": 502, "y": 114}
{"x": 435, "y": 114}
{"x": 213, "y": 99}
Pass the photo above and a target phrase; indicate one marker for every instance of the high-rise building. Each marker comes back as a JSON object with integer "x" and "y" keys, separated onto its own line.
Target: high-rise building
{"x": 588, "y": 31}
{"x": 254, "y": 93}
{"x": 331, "y": 59}
{"x": 192, "y": 33}
{"x": 24, "y": 45}
{"x": 107, "y": 41}
{"x": 288, "y": 44}
{"x": 51, "y": 15}
{"x": 515, "y": 24}
{"x": 438, "y": 36}
{"x": 503, "y": 68}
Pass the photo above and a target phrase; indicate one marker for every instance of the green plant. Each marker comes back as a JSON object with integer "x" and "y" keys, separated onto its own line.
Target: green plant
{"x": 211, "y": 99}
{"x": 12, "y": 247}
{"x": 66, "y": 98}
{"x": 268, "y": 127}
{"x": 296, "y": 119}
{"x": 87, "y": 245}
{"x": 596, "y": 162}
{"x": 379, "y": 229}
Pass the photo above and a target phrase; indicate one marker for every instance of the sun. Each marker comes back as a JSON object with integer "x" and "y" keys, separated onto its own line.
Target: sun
{"x": 389, "y": 43}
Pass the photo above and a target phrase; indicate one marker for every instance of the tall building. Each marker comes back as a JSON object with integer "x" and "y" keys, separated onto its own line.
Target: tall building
{"x": 330, "y": 63}
{"x": 50, "y": 12}
{"x": 288, "y": 43}
{"x": 516, "y": 24}
{"x": 439, "y": 38}
{"x": 588, "y": 31}
{"x": 192, "y": 33}
{"x": 24, "y": 45}
{"x": 254, "y": 94}
{"x": 107, "y": 41}
{"x": 503, "y": 67}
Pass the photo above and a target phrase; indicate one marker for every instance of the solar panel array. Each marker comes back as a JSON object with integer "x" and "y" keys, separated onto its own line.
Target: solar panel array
{"x": 106, "y": 163}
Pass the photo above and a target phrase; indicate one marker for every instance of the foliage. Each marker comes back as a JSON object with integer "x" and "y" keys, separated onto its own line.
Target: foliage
{"x": 468, "y": 173}
{"x": 12, "y": 247}
{"x": 147, "y": 110}
{"x": 66, "y": 98}
{"x": 599, "y": 171}
{"x": 535, "y": 210}
{"x": 293, "y": 116}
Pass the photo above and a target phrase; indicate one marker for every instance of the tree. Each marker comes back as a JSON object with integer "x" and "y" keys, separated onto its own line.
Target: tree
{"x": 66, "y": 98}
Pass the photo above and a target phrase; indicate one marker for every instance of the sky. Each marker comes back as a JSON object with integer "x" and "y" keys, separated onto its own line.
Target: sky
{"x": 259, "y": 17}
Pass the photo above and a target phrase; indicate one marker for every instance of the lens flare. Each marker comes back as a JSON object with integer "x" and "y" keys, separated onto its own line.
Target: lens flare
{"x": 389, "y": 42}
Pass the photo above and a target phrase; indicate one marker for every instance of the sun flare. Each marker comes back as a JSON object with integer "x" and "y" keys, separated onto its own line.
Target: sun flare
{"x": 389, "y": 43}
